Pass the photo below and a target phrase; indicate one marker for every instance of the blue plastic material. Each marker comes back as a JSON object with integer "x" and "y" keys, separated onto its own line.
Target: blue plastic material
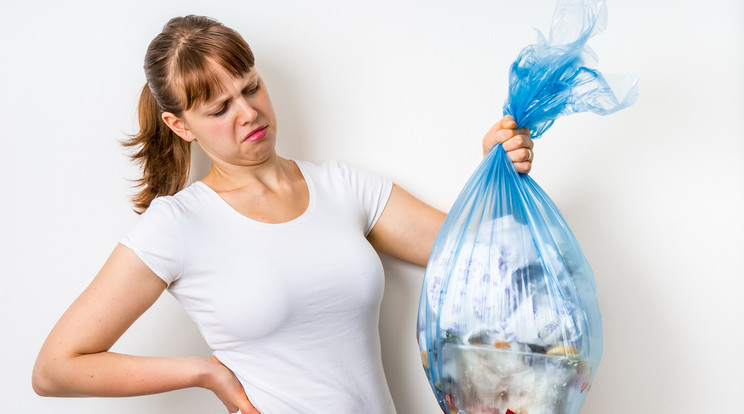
{"x": 553, "y": 77}
{"x": 508, "y": 318}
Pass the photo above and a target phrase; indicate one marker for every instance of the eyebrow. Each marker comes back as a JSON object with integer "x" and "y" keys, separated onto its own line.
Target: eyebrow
{"x": 224, "y": 97}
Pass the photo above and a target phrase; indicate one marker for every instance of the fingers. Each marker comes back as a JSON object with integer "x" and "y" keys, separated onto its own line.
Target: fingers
{"x": 242, "y": 407}
{"x": 522, "y": 159}
{"x": 248, "y": 408}
{"x": 240, "y": 404}
{"x": 523, "y": 167}
{"x": 507, "y": 122}
{"x": 229, "y": 390}
{"x": 515, "y": 141}
{"x": 521, "y": 155}
{"x": 505, "y": 132}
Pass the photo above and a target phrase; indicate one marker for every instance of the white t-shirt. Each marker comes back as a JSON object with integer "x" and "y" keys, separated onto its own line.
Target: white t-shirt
{"x": 291, "y": 308}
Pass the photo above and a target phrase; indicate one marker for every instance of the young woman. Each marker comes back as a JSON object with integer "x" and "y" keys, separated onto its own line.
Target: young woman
{"x": 274, "y": 259}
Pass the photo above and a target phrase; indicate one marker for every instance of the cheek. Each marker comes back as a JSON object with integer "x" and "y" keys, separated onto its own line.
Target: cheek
{"x": 213, "y": 134}
{"x": 267, "y": 108}
{"x": 270, "y": 117}
{"x": 219, "y": 127}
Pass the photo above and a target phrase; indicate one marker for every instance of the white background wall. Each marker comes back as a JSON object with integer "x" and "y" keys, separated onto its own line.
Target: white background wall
{"x": 655, "y": 193}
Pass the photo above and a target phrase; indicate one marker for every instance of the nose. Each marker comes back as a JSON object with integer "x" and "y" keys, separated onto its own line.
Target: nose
{"x": 246, "y": 111}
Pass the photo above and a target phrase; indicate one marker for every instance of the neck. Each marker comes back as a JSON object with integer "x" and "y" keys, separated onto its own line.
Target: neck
{"x": 274, "y": 171}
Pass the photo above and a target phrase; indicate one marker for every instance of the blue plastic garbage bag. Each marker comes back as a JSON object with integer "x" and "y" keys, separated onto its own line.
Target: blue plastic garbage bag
{"x": 508, "y": 318}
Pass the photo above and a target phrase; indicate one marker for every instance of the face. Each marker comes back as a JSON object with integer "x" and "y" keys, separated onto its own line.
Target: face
{"x": 236, "y": 127}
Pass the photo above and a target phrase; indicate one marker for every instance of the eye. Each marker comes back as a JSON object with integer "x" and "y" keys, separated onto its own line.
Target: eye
{"x": 222, "y": 110}
{"x": 252, "y": 90}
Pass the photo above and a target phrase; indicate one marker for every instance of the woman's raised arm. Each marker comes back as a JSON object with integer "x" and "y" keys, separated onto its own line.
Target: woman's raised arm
{"x": 408, "y": 226}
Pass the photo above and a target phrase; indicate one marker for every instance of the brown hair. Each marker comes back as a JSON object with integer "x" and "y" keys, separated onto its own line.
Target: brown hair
{"x": 179, "y": 73}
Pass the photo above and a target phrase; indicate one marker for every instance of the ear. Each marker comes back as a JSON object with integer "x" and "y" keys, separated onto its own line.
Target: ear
{"x": 177, "y": 125}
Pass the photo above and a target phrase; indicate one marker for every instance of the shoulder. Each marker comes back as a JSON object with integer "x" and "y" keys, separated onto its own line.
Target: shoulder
{"x": 339, "y": 170}
{"x": 360, "y": 189}
{"x": 181, "y": 203}
{"x": 327, "y": 167}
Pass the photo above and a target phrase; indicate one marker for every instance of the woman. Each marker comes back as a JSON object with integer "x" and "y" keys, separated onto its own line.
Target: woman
{"x": 274, "y": 259}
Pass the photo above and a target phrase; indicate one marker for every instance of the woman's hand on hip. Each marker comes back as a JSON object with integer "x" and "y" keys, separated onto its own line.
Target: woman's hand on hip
{"x": 225, "y": 385}
{"x": 516, "y": 142}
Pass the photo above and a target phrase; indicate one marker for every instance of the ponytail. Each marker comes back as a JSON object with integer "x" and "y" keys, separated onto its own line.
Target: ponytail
{"x": 165, "y": 158}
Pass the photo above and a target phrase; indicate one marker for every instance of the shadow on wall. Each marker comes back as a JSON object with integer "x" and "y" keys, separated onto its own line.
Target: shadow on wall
{"x": 400, "y": 354}
{"x": 629, "y": 312}
{"x": 200, "y": 163}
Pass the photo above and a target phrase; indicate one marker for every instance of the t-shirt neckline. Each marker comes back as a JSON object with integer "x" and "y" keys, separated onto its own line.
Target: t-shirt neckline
{"x": 240, "y": 216}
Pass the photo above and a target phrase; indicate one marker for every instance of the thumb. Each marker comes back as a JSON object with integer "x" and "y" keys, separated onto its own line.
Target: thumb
{"x": 508, "y": 122}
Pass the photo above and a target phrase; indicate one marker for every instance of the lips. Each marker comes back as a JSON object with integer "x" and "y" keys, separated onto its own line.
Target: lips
{"x": 257, "y": 134}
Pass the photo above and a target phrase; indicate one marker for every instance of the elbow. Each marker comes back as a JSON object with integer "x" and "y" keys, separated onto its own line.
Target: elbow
{"x": 43, "y": 381}
{"x": 40, "y": 390}
{"x": 40, "y": 384}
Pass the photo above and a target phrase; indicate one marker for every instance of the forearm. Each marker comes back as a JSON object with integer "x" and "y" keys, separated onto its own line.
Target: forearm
{"x": 108, "y": 374}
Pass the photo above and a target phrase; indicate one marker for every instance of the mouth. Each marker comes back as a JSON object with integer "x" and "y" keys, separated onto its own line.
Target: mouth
{"x": 257, "y": 134}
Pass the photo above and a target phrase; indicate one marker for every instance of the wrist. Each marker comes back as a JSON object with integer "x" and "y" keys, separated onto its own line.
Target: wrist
{"x": 205, "y": 372}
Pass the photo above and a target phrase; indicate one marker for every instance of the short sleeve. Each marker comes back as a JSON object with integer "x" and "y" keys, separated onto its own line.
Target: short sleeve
{"x": 156, "y": 240}
{"x": 372, "y": 190}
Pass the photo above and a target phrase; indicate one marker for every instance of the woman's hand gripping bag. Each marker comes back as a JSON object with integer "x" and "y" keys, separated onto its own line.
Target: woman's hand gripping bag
{"x": 508, "y": 318}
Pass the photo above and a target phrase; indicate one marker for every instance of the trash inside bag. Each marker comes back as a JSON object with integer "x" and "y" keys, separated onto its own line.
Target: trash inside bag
{"x": 508, "y": 318}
